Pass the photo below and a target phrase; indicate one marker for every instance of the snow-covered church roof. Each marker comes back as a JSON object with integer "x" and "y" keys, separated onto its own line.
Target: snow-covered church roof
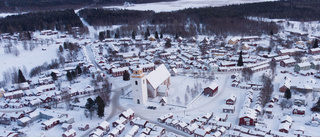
{"x": 157, "y": 76}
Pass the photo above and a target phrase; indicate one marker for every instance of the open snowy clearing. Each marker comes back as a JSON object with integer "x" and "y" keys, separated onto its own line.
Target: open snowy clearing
{"x": 183, "y": 4}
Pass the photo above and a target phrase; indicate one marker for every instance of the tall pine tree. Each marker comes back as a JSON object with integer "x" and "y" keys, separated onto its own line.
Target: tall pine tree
{"x": 240, "y": 61}
{"x": 287, "y": 94}
{"x": 133, "y": 35}
{"x": 161, "y": 35}
{"x": 148, "y": 32}
{"x": 21, "y": 77}
{"x": 315, "y": 44}
{"x": 54, "y": 76}
{"x": 90, "y": 106}
{"x": 69, "y": 76}
{"x": 126, "y": 76}
{"x": 156, "y": 35}
{"x": 78, "y": 69}
{"x": 101, "y": 105}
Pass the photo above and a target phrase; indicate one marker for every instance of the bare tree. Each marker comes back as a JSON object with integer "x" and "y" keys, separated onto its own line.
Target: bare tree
{"x": 186, "y": 99}
{"x": 266, "y": 90}
{"x": 188, "y": 89}
{"x": 178, "y": 100}
{"x": 314, "y": 95}
{"x": 25, "y": 45}
{"x": 247, "y": 73}
{"x": 273, "y": 66}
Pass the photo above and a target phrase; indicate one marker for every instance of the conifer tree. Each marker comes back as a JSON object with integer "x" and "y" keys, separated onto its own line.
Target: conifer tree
{"x": 148, "y": 32}
{"x": 60, "y": 49}
{"x": 54, "y": 76}
{"x": 90, "y": 106}
{"x": 315, "y": 44}
{"x": 161, "y": 35}
{"x": 240, "y": 61}
{"x": 133, "y": 35}
{"x": 78, "y": 69}
{"x": 100, "y": 106}
{"x": 21, "y": 77}
{"x": 126, "y": 75}
{"x": 156, "y": 35}
{"x": 69, "y": 76}
{"x": 145, "y": 36}
{"x": 287, "y": 94}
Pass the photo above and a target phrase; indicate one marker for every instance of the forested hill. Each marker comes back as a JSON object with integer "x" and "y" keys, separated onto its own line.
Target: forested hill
{"x": 56, "y": 20}
{"x": 32, "y": 5}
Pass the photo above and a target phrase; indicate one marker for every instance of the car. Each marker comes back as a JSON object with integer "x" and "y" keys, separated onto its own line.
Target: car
{"x": 15, "y": 129}
{"x": 154, "y": 108}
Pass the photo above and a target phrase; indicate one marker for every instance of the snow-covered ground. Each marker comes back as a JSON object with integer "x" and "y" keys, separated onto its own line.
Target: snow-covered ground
{"x": 183, "y": 4}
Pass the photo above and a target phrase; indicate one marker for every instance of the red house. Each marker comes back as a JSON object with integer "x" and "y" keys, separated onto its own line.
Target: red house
{"x": 83, "y": 127}
{"x": 50, "y": 123}
{"x": 288, "y": 63}
{"x": 211, "y": 90}
{"x": 128, "y": 114}
{"x": 298, "y": 110}
{"x": 247, "y": 117}
{"x": 232, "y": 99}
{"x": 104, "y": 126}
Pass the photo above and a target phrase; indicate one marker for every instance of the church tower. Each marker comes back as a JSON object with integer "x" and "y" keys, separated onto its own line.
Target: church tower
{"x": 139, "y": 86}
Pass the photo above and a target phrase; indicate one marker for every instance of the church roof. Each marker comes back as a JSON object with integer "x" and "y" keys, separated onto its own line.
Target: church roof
{"x": 157, "y": 76}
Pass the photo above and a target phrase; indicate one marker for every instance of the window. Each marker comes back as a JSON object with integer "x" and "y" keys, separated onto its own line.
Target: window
{"x": 136, "y": 82}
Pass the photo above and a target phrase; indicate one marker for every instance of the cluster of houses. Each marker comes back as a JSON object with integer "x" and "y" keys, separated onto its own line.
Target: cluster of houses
{"x": 125, "y": 119}
{"x": 207, "y": 125}
{"x": 238, "y": 82}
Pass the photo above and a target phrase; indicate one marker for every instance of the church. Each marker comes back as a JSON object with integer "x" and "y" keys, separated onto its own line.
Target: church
{"x": 156, "y": 83}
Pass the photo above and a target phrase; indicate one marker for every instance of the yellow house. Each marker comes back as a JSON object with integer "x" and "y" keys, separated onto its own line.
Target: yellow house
{"x": 234, "y": 40}
{"x": 2, "y": 92}
{"x": 152, "y": 39}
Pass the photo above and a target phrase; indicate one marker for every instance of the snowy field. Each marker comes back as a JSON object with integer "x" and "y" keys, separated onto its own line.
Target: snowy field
{"x": 183, "y": 4}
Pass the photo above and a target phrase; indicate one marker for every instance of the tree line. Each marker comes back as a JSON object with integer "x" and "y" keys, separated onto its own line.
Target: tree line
{"x": 62, "y": 20}
{"x": 27, "y": 5}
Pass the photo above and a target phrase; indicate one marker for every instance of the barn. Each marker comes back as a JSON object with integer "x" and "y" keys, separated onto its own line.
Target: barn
{"x": 211, "y": 90}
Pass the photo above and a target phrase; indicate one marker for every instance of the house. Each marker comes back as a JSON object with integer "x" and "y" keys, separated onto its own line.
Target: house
{"x": 97, "y": 133}
{"x": 84, "y": 127}
{"x": 160, "y": 76}
{"x": 181, "y": 125}
{"x": 314, "y": 51}
{"x": 133, "y": 131}
{"x": 66, "y": 126}
{"x": 286, "y": 119}
{"x": 285, "y": 84}
{"x": 315, "y": 65}
{"x": 191, "y": 128}
{"x": 69, "y": 133}
{"x": 247, "y": 117}
{"x": 163, "y": 101}
{"x": 211, "y": 90}
{"x": 315, "y": 117}
{"x": 302, "y": 66}
{"x": 228, "y": 108}
{"x": 50, "y": 123}
{"x": 232, "y": 99}
{"x": 200, "y": 132}
{"x": 104, "y": 126}
{"x": 119, "y": 121}
{"x": 128, "y": 114}
{"x": 23, "y": 121}
{"x": 288, "y": 62}
{"x": 118, "y": 72}
{"x": 163, "y": 118}
{"x": 280, "y": 58}
{"x": 139, "y": 122}
{"x": 298, "y": 110}
{"x": 284, "y": 127}
{"x": 13, "y": 95}
{"x": 299, "y": 100}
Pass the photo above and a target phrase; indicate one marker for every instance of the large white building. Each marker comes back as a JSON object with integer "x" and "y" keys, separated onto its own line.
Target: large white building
{"x": 139, "y": 86}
